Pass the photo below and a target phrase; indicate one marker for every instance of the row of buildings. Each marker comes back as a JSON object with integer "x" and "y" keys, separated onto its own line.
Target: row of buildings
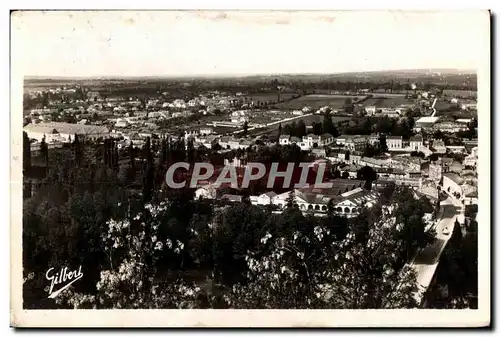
{"x": 447, "y": 125}
{"x": 347, "y": 198}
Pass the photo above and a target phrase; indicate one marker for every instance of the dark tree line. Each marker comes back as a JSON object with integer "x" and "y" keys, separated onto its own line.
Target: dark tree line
{"x": 299, "y": 129}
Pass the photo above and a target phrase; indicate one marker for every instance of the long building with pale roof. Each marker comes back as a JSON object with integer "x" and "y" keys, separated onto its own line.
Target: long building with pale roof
{"x": 65, "y": 132}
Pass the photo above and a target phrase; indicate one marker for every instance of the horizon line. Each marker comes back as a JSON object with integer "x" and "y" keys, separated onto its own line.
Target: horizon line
{"x": 236, "y": 75}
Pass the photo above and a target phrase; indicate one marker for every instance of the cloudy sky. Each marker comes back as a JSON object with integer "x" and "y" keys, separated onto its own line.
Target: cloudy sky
{"x": 226, "y": 43}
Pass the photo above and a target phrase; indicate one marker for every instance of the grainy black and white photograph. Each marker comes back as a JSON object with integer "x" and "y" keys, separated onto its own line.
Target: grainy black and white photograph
{"x": 251, "y": 160}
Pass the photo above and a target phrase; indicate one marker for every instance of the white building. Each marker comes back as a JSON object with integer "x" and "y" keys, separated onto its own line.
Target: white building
{"x": 191, "y": 133}
{"x": 373, "y": 140}
{"x": 416, "y": 143}
{"x": 394, "y": 142}
{"x": 284, "y": 139}
{"x": 450, "y": 127}
{"x": 426, "y": 122}
{"x": 326, "y": 139}
{"x": 469, "y": 106}
{"x": 121, "y": 123}
{"x": 348, "y": 203}
{"x": 64, "y": 132}
{"x": 471, "y": 159}
{"x": 206, "y": 131}
{"x": 370, "y": 110}
{"x": 263, "y": 199}
{"x": 356, "y": 144}
{"x": 206, "y": 192}
{"x": 311, "y": 140}
{"x": 456, "y": 149}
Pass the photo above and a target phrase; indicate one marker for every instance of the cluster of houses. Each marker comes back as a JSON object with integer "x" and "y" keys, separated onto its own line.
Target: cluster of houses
{"x": 132, "y": 122}
{"x": 307, "y": 142}
{"x": 443, "y": 124}
{"x": 55, "y": 132}
{"x": 347, "y": 198}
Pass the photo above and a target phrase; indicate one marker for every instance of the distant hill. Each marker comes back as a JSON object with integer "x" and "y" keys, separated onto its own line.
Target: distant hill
{"x": 365, "y": 74}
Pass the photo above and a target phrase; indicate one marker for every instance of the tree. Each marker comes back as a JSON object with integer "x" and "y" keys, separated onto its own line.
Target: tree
{"x": 164, "y": 152}
{"x": 433, "y": 157}
{"x": 330, "y": 208}
{"x": 456, "y": 277}
{"x": 368, "y": 174}
{"x": 245, "y": 128}
{"x": 410, "y": 213}
{"x": 383, "y": 144}
{"x": 317, "y": 128}
{"x": 44, "y": 151}
{"x": 369, "y": 151}
{"x": 78, "y": 149}
{"x": 131, "y": 154}
{"x": 417, "y": 154}
{"x": 328, "y": 126}
{"x": 456, "y": 236}
{"x": 292, "y": 127}
{"x": 410, "y": 121}
{"x": 361, "y": 226}
{"x": 147, "y": 154}
{"x": 348, "y": 106}
{"x": 438, "y": 134}
{"x": 290, "y": 200}
{"x": 134, "y": 248}
{"x": 301, "y": 129}
{"x": 191, "y": 151}
{"x": 26, "y": 152}
{"x": 311, "y": 269}
{"x": 148, "y": 172}
{"x": 336, "y": 174}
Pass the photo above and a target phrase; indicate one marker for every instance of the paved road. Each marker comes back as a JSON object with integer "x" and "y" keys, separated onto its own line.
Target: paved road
{"x": 268, "y": 126}
{"x": 433, "y": 108}
{"x": 427, "y": 259}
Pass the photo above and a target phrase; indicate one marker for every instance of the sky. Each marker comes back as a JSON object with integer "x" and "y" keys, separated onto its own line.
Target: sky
{"x": 166, "y": 43}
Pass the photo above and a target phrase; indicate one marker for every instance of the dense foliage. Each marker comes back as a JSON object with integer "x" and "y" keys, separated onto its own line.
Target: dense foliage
{"x": 142, "y": 245}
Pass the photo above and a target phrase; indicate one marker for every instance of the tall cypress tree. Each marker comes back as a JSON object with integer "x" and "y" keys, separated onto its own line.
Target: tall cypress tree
{"x": 290, "y": 200}
{"x": 328, "y": 126}
{"x": 132, "y": 167}
{"x": 44, "y": 151}
{"x": 146, "y": 151}
{"x": 148, "y": 182}
{"x": 191, "y": 155}
{"x": 110, "y": 152}
{"x": 131, "y": 154}
{"x": 26, "y": 165}
{"x": 105, "y": 156}
{"x": 114, "y": 155}
{"x": 26, "y": 152}
{"x": 148, "y": 172}
{"x": 78, "y": 149}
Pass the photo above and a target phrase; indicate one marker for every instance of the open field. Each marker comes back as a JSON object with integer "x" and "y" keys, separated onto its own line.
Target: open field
{"x": 221, "y": 130}
{"x": 309, "y": 120}
{"x": 386, "y": 101}
{"x": 268, "y": 116}
{"x": 270, "y": 97}
{"x": 458, "y": 113}
{"x": 272, "y": 131}
{"x": 442, "y": 105}
{"x": 460, "y": 93}
{"x": 318, "y": 101}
